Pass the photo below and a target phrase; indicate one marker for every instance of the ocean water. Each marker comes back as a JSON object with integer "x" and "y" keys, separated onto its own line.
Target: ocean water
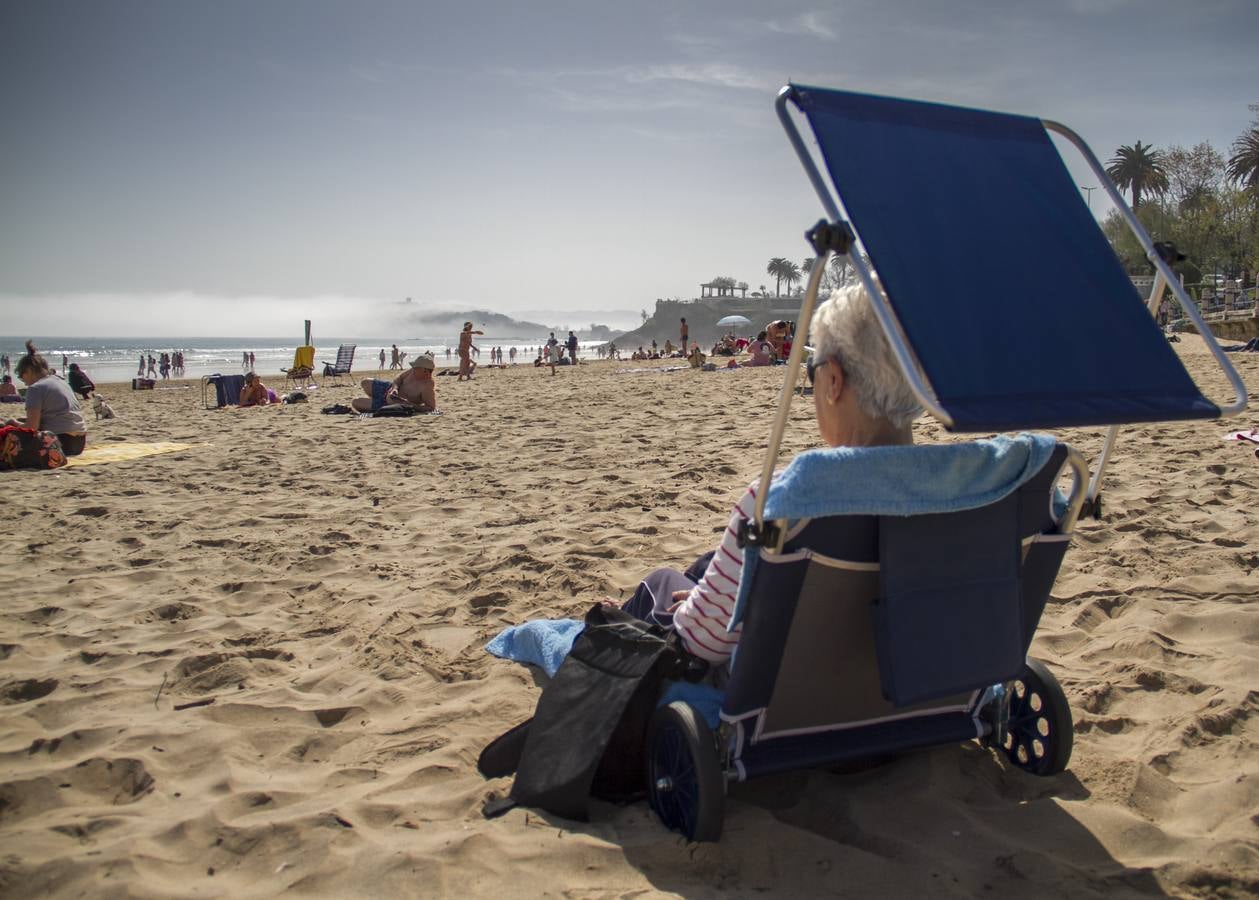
{"x": 111, "y": 360}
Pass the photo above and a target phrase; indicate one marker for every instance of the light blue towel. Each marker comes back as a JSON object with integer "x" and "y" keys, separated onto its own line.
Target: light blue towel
{"x": 546, "y": 642}
{"x": 541, "y": 642}
{"x": 898, "y": 481}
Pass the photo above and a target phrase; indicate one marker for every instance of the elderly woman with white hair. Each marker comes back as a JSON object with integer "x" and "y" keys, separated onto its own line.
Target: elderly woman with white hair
{"x": 860, "y": 399}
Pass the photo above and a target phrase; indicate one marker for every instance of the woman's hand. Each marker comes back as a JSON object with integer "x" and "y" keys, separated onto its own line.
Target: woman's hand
{"x": 679, "y": 597}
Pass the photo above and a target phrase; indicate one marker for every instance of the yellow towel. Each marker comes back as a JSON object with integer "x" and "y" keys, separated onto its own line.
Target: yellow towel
{"x": 124, "y": 450}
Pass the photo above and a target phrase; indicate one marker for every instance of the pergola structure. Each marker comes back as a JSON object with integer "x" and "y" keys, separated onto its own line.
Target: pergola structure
{"x": 721, "y": 290}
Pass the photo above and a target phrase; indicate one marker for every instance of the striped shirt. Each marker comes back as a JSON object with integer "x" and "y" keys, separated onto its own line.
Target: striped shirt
{"x": 703, "y": 616}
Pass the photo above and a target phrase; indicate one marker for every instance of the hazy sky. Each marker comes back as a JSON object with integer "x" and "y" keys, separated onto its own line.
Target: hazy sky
{"x": 230, "y": 167}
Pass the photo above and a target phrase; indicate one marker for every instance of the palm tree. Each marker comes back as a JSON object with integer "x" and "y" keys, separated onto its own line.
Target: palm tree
{"x": 1139, "y": 167}
{"x": 791, "y": 274}
{"x": 777, "y": 267}
{"x": 1243, "y": 165}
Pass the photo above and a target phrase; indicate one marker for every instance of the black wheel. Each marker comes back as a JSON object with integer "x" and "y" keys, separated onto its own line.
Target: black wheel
{"x": 685, "y": 784}
{"x": 1039, "y": 733}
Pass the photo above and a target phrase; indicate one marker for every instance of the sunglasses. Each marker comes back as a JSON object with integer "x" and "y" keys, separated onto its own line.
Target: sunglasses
{"x": 812, "y": 366}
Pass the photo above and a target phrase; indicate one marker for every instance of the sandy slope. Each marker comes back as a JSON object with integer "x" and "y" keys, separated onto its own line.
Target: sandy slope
{"x": 330, "y": 582}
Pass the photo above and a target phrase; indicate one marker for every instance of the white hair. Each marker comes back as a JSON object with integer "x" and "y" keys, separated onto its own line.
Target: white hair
{"x": 845, "y": 328}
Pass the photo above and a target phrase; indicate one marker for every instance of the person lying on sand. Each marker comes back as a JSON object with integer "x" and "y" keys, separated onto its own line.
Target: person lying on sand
{"x": 255, "y": 393}
{"x": 414, "y": 387}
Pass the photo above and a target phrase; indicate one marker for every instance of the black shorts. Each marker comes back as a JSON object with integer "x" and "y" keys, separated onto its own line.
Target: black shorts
{"x": 72, "y": 444}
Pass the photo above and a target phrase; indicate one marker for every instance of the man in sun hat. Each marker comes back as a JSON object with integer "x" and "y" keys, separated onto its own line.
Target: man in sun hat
{"x": 414, "y": 387}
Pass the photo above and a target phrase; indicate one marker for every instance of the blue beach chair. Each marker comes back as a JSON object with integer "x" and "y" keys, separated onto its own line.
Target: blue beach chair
{"x": 867, "y": 630}
{"x": 345, "y": 359}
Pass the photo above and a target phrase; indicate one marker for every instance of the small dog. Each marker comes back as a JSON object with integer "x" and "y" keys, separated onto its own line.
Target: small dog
{"x": 102, "y": 408}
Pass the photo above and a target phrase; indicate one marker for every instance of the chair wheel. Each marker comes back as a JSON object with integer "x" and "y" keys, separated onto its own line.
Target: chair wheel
{"x": 685, "y": 784}
{"x": 1040, "y": 733}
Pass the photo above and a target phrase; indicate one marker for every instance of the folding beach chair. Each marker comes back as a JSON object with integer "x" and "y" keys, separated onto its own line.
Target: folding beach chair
{"x": 303, "y": 368}
{"x": 227, "y": 390}
{"x": 345, "y": 358}
{"x": 871, "y": 632}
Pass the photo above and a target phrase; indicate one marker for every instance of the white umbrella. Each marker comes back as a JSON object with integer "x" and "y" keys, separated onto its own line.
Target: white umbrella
{"x": 734, "y": 320}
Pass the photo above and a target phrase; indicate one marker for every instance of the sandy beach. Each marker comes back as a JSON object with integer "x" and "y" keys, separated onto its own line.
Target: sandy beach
{"x": 329, "y": 584}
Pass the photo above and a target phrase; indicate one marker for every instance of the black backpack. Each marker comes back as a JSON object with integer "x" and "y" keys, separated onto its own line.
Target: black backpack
{"x": 588, "y": 733}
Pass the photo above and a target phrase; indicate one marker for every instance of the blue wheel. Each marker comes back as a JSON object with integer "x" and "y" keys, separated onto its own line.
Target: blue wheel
{"x": 685, "y": 784}
{"x": 1040, "y": 733}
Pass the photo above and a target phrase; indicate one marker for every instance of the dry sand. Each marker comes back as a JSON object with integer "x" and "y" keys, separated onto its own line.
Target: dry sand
{"x": 330, "y": 582}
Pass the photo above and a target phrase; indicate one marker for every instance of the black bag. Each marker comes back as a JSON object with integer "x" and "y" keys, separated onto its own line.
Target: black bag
{"x": 588, "y": 733}
{"x": 394, "y": 410}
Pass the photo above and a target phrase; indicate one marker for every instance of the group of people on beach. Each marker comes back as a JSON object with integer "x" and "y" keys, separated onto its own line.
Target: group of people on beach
{"x": 167, "y": 364}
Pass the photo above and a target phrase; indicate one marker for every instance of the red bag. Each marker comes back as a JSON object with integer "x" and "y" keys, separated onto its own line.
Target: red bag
{"x": 25, "y": 448}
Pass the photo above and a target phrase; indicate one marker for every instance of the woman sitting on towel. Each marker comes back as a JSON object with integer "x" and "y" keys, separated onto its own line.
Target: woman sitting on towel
{"x": 414, "y": 388}
{"x": 50, "y": 404}
{"x": 860, "y": 399}
{"x": 762, "y": 352}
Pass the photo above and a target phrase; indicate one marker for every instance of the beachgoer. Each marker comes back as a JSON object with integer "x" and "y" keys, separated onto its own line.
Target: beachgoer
{"x": 776, "y": 334}
{"x": 394, "y": 363}
{"x": 140, "y": 370}
{"x": 7, "y": 387}
{"x": 251, "y": 360}
{"x": 860, "y": 399}
{"x": 511, "y": 354}
{"x": 164, "y": 366}
{"x": 572, "y": 348}
{"x": 696, "y": 357}
{"x": 244, "y": 359}
{"x": 382, "y": 359}
{"x": 152, "y": 365}
{"x": 762, "y": 352}
{"x": 465, "y": 351}
{"x": 685, "y": 333}
{"x": 79, "y": 382}
{"x": 4, "y": 364}
{"x": 254, "y": 393}
{"x": 50, "y": 404}
{"x": 414, "y": 387}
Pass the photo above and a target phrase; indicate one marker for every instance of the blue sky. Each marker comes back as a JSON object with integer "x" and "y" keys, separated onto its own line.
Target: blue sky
{"x": 232, "y": 167}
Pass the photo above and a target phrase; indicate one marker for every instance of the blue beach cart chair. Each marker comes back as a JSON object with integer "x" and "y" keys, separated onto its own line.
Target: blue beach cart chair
{"x": 865, "y": 630}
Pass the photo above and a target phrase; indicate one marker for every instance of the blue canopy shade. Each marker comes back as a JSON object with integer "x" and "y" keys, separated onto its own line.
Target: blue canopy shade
{"x": 1005, "y": 286}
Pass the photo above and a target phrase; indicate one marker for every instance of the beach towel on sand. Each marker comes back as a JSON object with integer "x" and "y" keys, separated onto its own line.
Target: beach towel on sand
{"x": 123, "y": 451}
